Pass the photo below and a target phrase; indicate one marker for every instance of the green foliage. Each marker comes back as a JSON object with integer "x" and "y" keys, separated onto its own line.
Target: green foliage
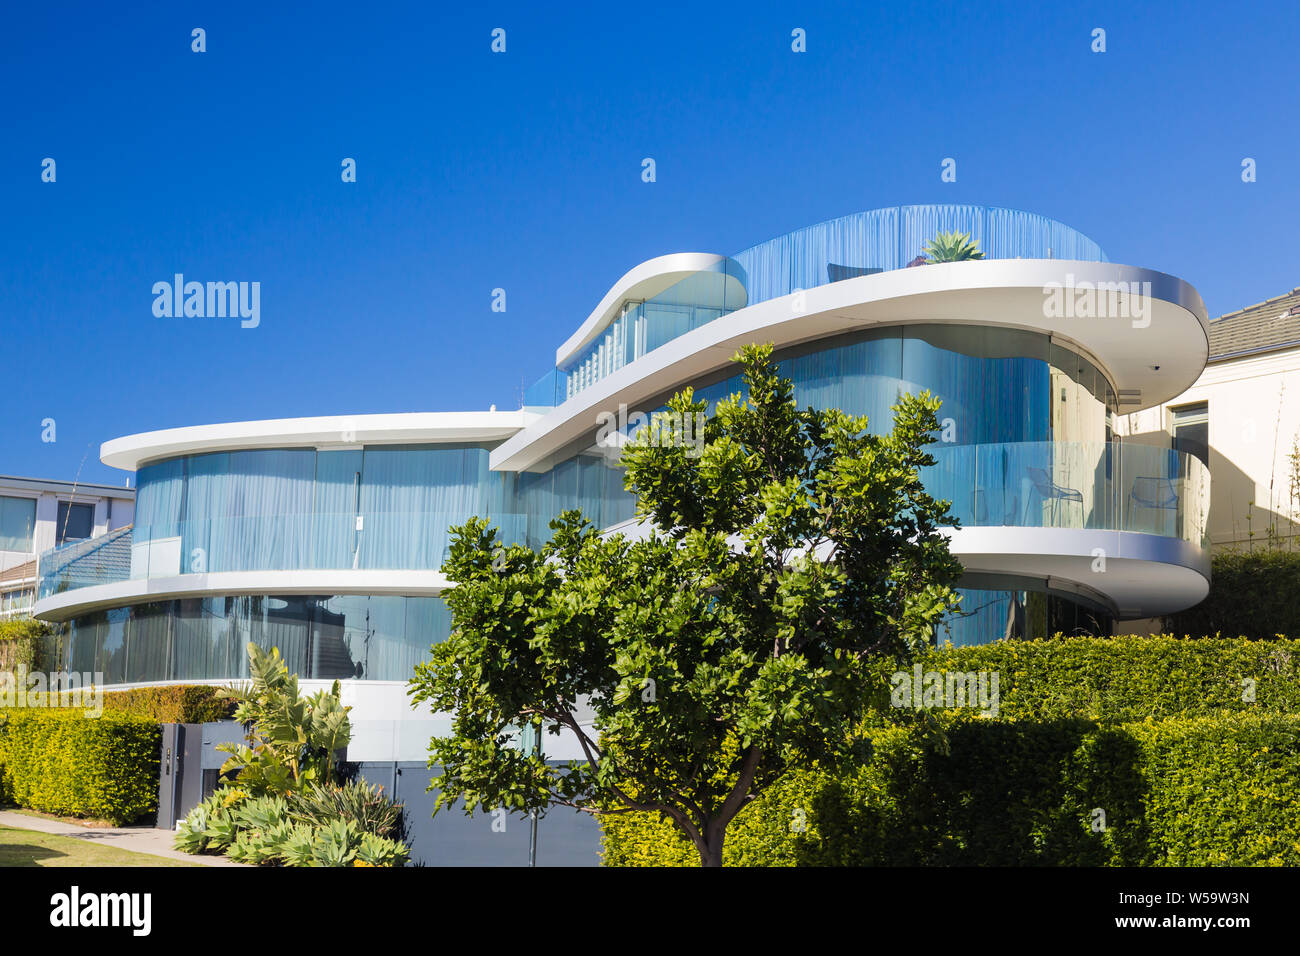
{"x": 292, "y": 740}
{"x": 28, "y": 644}
{"x": 717, "y": 653}
{"x": 66, "y": 763}
{"x": 356, "y": 801}
{"x": 175, "y": 704}
{"x": 1252, "y": 594}
{"x": 1119, "y": 679}
{"x": 952, "y": 247}
{"x": 1155, "y": 732}
{"x": 319, "y": 825}
{"x": 1206, "y": 791}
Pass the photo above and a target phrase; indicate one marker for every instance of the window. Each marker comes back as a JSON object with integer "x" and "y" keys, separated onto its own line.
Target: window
{"x": 76, "y": 522}
{"x": 17, "y": 518}
{"x": 1191, "y": 425}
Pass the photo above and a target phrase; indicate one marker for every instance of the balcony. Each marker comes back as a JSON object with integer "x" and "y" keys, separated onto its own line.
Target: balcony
{"x": 1108, "y": 486}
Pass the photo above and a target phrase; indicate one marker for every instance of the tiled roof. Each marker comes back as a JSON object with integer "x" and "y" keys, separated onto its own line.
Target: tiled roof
{"x": 18, "y": 572}
{"x": 1264, "y": 327}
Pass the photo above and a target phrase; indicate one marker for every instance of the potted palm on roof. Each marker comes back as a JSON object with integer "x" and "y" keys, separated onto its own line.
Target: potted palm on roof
{"x": 952, "y": 247}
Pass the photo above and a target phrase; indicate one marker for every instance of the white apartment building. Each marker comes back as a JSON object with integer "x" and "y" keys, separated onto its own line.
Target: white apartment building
{"x": 37, "y": 515}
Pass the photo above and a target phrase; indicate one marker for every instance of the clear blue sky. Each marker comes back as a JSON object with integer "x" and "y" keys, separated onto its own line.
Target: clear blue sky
{"x": 522, "y": 171}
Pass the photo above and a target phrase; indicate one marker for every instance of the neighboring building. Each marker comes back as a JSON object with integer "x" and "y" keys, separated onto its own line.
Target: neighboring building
{"x": 37, "y": 515}
{"x": 1242, "y": 417}
{"x": 324, "y": 536}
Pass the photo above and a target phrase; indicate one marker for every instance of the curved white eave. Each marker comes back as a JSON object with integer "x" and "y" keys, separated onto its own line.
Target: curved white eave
{"x": 131, "y": 451}
{"x": 644, "y": 281}
{"x": 68, "y": 604}
{"x": 1142, "y": 575}
{"x": 1170, "y": 333}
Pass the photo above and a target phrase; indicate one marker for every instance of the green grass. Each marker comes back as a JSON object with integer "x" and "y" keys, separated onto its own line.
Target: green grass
{"x": 29, "y": 848}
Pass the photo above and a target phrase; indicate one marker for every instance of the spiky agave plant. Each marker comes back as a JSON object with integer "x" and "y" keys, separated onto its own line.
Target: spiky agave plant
{"x": 952, "y": 247}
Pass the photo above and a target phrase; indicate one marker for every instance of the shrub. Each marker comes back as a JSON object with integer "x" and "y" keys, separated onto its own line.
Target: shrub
{"x": 1160, "y": 734}
{"x": 1204, "y": 791}
{"x": 177, "y": 704}
{"x": 357, "y": 801}
{"x": 27, "y": 643}
{"x": 292, "y": 740}
{"x": 271, "y": 831}
{"x": 1252, "y": 594}
{"x": 62, "y": 762}
{"x": 1120, "y": 679}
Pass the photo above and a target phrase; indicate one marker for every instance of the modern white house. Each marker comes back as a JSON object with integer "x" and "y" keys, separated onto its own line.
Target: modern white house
{"x": 37, "y": 515}
{"x": 325, "y": 536}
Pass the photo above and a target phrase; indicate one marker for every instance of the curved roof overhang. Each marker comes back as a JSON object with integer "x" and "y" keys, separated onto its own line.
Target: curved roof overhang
{"x": 68, "y": 604}
{"x": 645, "y": 281}
{"x": 1152, "y": 340}
{"x": 132, "y": 451}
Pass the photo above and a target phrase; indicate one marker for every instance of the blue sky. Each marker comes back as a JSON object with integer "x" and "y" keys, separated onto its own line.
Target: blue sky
{"x": 522, "y": 171}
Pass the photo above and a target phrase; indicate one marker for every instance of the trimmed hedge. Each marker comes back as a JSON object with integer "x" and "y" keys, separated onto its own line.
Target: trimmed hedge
{"x": 62, "y": 762}
{"x": 177, "y": 704}
{"x": 174, "y": 704}
{"x": 1158, "y": 733}
{"x": 1200, "y": 792}
{"x": 1121, "y": 679}
{"x": 1252, "y": 594}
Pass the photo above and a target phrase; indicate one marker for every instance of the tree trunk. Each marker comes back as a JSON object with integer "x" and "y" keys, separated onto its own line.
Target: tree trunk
{"x": 711, "y": 848}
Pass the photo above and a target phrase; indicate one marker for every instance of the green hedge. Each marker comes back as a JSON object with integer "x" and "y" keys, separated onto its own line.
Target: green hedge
{"x": 177, "y": 704}
{"x": 1156, "y": 732}
{"x": 1204, "y": 791}
{"x": 1252, "y": 594}
{"x": 62, "y": 762}
{"x": 1120, "y": 679}
{"x": 174, "y": 704}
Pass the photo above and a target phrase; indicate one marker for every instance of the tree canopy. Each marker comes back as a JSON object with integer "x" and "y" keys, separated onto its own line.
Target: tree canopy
{"x": 724, "y": 644}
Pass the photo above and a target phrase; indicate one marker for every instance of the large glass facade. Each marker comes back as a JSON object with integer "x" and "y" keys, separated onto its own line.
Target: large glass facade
{"x": 996, "y": 384}
{"x": 323, "y": 637}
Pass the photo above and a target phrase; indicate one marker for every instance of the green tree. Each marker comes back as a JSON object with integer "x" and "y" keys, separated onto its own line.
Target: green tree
{"x": 952, "y": 247}
{"x": 727, "y": 646}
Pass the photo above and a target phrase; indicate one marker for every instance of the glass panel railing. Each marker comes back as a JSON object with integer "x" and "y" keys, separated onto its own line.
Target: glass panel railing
{"x": 80, "y": 564}
{"x": 1102, "y": 485}
{"x": 644, "y": 325}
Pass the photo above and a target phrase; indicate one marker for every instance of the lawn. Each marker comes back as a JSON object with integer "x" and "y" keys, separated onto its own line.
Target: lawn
{"x": 29, "y": 848}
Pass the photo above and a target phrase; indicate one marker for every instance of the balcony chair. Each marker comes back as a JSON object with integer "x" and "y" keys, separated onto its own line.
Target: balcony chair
{"x": 1049, "y": 490}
